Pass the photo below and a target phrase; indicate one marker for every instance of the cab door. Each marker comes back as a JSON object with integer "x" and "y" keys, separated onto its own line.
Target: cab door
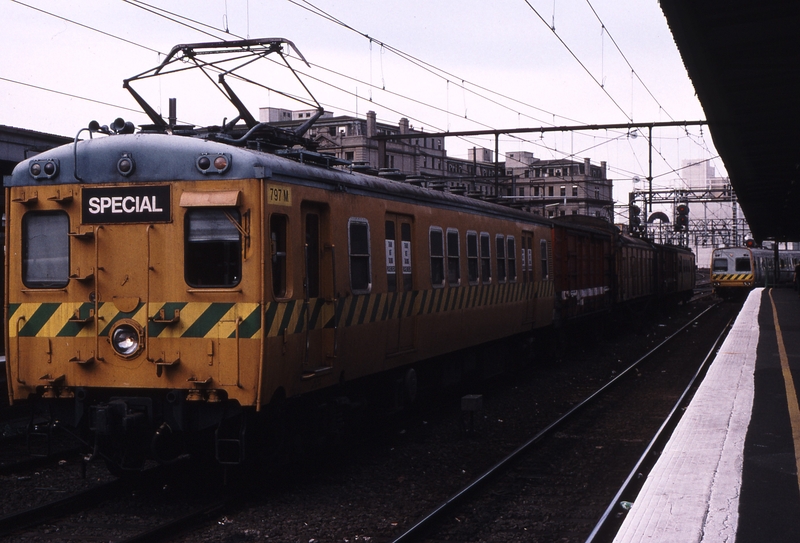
{"x": 400, "y": 327}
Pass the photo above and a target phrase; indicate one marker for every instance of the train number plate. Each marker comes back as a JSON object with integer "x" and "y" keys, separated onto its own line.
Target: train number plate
{"x": 130, "y": 204}
{"x": 279, "y": 196}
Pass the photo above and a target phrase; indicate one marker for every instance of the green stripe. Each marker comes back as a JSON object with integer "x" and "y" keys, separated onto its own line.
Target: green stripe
{"x": 207, "y": 320}
{"x": 154, "y": 329}
{"x": 71, "y": 329}
{"x": 250, "y": 325}
{"x": 287, "y": 316}
{"x": 38, "y": 319}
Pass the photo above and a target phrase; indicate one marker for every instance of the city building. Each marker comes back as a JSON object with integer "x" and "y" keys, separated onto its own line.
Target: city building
{"x": 551, "y": 188}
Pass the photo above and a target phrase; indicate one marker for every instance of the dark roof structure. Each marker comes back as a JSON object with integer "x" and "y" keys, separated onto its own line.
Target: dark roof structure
{"x": 743, "y": 58}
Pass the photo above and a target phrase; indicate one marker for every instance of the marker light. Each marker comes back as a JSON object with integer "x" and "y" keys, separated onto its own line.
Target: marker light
{"x": 213, "y": 163}
{"x": 43, "y": 168}
{"x": 125, "y": 165}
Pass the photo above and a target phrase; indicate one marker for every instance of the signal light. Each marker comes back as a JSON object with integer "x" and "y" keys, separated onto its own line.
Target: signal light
{"x": 681, "y": 216}
{"x": 634, "y": 221}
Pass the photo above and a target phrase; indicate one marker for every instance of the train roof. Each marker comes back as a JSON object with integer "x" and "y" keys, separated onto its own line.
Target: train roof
{"x": 163, "y": 158}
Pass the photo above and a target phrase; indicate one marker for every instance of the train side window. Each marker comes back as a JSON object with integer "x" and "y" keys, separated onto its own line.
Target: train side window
{"x": 543, "y": 255}
{"x": 405, "y": 255}
{"x": 472, "y": 258}
{"x": 213, "y": 250}
{"x": 453, "y": 258}
{"x": 720, "y": 264}
{"x": 500, "y": 251}
{"x": 45, "y": 249}
{"x": 391, "y": 257}
{"x": 437, "y": 256}
{"x": 512, "y": 258}
{"x": 360, "y": 262}
{"x": 486, "y": 258}
{"x": 743, "y": 264}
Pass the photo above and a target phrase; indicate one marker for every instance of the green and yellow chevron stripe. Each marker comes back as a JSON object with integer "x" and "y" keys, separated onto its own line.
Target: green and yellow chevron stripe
{"x": 215, "y": 320}
{"x": 197, "y": 320}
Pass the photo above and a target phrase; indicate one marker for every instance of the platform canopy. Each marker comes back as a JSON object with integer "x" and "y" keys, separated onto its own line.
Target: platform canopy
{"x": 743, "y": 57}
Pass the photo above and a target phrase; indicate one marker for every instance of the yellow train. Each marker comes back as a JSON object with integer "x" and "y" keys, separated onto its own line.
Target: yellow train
{"x": 152, "y": 276}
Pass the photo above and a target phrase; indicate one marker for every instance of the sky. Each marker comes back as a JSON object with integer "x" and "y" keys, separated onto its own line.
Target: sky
{"x": 446, "y": 66}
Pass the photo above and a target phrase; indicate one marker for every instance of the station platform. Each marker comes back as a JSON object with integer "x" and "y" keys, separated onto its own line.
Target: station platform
{"x": 731, "y": 470}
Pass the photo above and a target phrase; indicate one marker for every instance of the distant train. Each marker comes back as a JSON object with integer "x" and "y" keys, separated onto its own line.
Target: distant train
{"x": 171, "y": 294}
{"x": 735, "y": 270}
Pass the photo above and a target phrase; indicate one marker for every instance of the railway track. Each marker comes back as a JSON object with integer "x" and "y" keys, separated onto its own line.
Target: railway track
{"x": 151, "y": 508}
{"x": 418, "y": 462}
{"x": 537, "y": 464}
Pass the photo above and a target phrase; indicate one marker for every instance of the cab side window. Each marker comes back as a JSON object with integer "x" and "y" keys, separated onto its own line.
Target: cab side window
{"x": 45, "y": 249}
{"x": 213, "y": 247}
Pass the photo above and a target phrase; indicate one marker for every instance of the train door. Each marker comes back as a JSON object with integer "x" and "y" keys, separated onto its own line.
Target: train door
{"x": 318, "y": 289}
{"x": 399, "y": 284}
{"x": 528, "y": 276}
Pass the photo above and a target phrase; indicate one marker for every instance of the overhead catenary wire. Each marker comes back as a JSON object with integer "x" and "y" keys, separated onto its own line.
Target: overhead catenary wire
{"x": 579, "y": 61}
{"x": 214, "y": 32}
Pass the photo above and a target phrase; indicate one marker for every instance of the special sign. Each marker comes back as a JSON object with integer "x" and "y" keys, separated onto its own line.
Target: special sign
{"x": 125, "y": 205}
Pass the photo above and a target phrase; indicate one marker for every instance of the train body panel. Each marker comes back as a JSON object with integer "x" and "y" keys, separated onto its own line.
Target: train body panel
{"x": 635, "y": 274}
{"x": 583, "y": 270}
{"x": 675, "y": 272}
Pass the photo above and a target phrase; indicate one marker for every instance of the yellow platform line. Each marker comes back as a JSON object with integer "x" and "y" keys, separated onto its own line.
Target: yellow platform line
{"x": 791, "y": 391}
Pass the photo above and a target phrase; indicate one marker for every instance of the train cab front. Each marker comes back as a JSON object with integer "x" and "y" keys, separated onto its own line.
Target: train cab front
{"x": 133, "y": 299}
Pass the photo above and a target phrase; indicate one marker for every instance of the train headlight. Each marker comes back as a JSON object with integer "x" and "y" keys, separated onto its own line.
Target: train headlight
{"x": 126, "y": 338}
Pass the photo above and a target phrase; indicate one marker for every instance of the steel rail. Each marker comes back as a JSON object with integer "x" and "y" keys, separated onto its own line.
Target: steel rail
{"x": 14, "y": 522}
{"x": 635, "y": 479}
{"x": 420, "y": 526}
{"x": 178, "y": 526}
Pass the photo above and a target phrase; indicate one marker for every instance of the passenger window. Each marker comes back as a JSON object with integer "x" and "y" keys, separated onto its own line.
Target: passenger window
{"x": 472, "y": 258}
{"x": 391, "y": 257}
{"x": 512, "y": 259}
{"x": 278, "y": 234}
{"x": 45, "y": 249}
{"x": 405, "y": 255}
{"x": 545, "y": 266}
{"x": 453, "y": 258}
{"x": 500, "y": 249}
{"x": 486, "y": 258}
{"x": 213, "y": 250}
{"x": 743, "y": 264}
{"x": 360, "y": 266}
{"x": 437, "y": 257}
